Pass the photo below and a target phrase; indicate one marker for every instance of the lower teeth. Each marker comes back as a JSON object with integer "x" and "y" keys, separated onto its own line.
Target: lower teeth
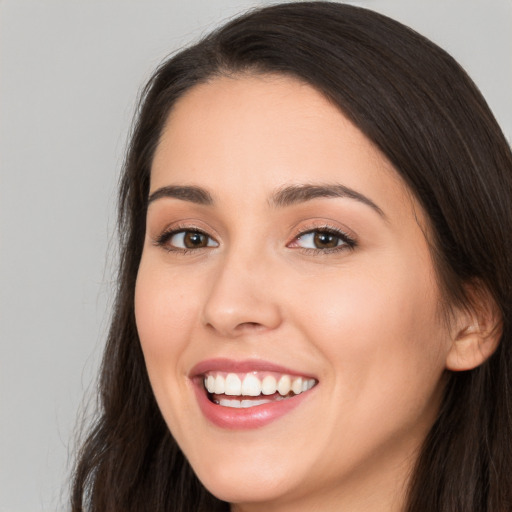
{"x": 244, "y": 404}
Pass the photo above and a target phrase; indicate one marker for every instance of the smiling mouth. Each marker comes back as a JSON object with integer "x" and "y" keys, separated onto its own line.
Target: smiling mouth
{"x": 252, "y": 389}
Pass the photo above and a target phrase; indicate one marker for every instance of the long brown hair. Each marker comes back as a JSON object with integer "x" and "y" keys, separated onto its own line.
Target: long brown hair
{"x": 427, "y": 117}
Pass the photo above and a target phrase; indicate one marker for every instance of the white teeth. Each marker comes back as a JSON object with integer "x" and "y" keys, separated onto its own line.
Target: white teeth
{"x": 210, "y": 383}
{"x": 297, "y": 385}
{"x": 284, "y": 385}
{"x": 229, "y": 403}
{"x": 251, "y": 386}
{"x": 244, "y": 404}
{"x": 233, "y": 385}
{"x": 220, "y": 385}
{"x": 253, "y": 403}
{"x": 269, "y": 385}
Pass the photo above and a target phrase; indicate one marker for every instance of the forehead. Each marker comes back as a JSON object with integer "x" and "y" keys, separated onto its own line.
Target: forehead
{"x": 257, "y": 132}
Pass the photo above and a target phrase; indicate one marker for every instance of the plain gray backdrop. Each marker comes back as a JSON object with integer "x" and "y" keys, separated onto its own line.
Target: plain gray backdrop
{"x": 70, "y": 71}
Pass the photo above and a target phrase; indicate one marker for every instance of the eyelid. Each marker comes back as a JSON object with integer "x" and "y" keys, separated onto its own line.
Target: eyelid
{"x": 350, "y": 241}
{"x": 166, "y": 234}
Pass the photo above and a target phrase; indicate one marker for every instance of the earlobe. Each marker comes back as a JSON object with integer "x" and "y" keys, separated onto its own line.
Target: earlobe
{"x": 477, "y": 335}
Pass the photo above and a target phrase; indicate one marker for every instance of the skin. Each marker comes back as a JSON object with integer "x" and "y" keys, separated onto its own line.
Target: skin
{"x": 364, "y": 320}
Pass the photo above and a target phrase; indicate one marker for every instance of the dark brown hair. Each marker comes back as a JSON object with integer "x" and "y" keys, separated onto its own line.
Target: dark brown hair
{"x": 427, "y": 117}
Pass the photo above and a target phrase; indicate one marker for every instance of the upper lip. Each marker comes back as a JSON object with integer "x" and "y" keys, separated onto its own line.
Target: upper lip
{"x": 243, "y": 366}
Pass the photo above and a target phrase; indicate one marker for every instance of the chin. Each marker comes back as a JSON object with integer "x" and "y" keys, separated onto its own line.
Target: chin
{"x": 243, "y": 484}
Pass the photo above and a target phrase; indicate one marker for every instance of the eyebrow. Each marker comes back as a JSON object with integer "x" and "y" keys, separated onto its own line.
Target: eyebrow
{"x": 294, "y": 194}
{"x": 283, "y": 197}
{"x": 189, "y": 193}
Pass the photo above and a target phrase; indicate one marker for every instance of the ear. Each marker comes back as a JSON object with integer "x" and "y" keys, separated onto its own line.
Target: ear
{"x": 476, "y": 330}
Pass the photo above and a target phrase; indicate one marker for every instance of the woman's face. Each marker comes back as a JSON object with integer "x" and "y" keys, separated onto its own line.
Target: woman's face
{"x": 283, "y": 251}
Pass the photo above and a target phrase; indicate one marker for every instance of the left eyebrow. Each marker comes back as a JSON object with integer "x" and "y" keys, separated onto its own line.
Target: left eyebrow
{"x": 294, "y": 194}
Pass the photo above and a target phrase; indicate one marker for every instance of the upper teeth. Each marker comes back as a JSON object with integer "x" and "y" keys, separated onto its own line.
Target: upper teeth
{"x": 255, "y": 384}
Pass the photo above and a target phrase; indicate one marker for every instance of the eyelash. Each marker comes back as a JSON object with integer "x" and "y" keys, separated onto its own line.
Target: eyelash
{"x": 349, "y": 243}
{"x": 163, "y": 239}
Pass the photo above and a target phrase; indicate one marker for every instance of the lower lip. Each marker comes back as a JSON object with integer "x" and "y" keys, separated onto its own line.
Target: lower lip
{"x": 245, "y": 418}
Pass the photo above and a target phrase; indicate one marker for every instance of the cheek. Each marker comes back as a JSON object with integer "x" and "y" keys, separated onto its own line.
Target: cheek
{"x": 164, "y": 308}
{"x": 165, "y": 313}
{"x": 380, "y": 331}
{"x": 367, "y": 306}
{"x": 383, "y": 344}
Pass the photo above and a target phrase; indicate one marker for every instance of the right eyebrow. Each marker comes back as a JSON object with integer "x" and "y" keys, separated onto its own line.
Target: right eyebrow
{"x": 189, "y": 193}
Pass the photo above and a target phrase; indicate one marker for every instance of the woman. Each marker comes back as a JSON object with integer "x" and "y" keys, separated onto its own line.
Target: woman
{"x": 314, "y": 295}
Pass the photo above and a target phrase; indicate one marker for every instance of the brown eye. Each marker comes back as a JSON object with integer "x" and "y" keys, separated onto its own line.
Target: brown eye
{"x": 185, "y": 240}
{"x": 194, "y": 240}
{"x": 324, "y": 240}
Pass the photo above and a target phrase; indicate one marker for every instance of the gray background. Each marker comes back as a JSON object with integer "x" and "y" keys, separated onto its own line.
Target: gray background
{"x": 70, "y": 71}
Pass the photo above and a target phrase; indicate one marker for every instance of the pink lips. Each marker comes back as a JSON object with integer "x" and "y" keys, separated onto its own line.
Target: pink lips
{"x": 246, "y": 418}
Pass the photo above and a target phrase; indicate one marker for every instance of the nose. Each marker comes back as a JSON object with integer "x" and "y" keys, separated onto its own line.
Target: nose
{"x": 242, "y": 298}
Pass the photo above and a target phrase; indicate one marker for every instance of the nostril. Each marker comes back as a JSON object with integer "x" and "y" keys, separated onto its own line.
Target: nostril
{"x": 249, "y": 326}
